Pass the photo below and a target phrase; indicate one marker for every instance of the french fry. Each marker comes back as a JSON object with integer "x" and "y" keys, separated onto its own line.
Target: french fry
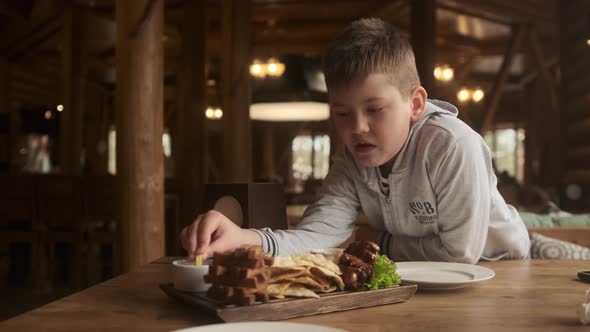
{"x": 199, "y": 260}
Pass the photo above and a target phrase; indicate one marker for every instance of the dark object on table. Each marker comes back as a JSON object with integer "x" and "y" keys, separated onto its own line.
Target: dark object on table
{"x": 584, "y": 276}
{"x": 249, "y": 205}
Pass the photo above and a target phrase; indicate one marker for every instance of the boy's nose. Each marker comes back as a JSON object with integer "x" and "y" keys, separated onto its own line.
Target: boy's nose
{"x": 360, "y": 125}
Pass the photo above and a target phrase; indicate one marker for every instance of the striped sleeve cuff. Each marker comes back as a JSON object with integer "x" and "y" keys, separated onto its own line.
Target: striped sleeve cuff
{"x": 269, "y": 242}
{"x": 384, "y": 242}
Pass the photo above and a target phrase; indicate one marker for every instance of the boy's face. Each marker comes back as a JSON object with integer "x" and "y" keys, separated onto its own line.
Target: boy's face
{"x": 373, "y": 119}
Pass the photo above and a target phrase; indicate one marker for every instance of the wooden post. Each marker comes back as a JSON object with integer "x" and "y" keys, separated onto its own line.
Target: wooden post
{"x": 4, "y": 86}
{"x": 235, "y": 101}
{"x": 423, "y": 34}
{"x": 268, "y": 147}
{"x": 139, "y": 123}
{"x": 191, "y": 135}
{"x": 518, "y": 34}
{"x": 70, "y": 138}
{"x": 5, "y": 109}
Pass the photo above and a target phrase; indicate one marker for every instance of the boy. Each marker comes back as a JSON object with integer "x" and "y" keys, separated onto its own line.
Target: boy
{"x": 421, "y": 176}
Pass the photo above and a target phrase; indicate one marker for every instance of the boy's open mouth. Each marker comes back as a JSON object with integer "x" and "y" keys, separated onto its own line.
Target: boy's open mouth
{"x": 364, "y": 147}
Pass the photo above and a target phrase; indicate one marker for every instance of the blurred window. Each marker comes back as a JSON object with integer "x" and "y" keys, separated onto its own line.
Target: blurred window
{"x": 507, "y": 146}
{"x": 311, "y": 157}
{"x": 37, "y": 154}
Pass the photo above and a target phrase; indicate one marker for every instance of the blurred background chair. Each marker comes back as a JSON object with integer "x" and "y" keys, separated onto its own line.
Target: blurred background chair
{"x": 99, "y": 215}
{"x": 59, "y": 203}
{"x": 20, "y": 234}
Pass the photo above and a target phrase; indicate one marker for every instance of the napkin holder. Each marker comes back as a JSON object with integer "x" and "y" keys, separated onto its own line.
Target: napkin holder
{"x": 249, "y": 205}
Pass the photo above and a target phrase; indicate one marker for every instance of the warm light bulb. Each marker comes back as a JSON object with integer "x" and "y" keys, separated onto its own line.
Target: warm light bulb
{"x": 257, "y": 69}
{"x": 274, "y": 67}
{"x": 218, "y": 113}
{"x": 448, "y": 74}
{"x": 463, "y": 95}
{"x": 477, "y": 95}
{"x": 438, "y": 73}
{"x": 588, "y": 42}
{"x": 444, "y": 73}
{"x": 209, "y": 113}
{"x": 60, "y": 108}
{"x": 48, "y": 114}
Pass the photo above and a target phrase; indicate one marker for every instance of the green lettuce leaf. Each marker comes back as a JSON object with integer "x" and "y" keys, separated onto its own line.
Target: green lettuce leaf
{"x": 384, "y": 274}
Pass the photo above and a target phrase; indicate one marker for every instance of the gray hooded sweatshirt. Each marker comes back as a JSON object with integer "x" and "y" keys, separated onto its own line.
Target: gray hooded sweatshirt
{"x": 443, "y": 204}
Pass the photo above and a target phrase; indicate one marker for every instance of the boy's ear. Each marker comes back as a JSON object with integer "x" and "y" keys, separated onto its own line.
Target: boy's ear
{"x": 418, "y": 102}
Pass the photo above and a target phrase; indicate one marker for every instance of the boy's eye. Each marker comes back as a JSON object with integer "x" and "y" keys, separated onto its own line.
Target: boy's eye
{"x": 374, "y": 109}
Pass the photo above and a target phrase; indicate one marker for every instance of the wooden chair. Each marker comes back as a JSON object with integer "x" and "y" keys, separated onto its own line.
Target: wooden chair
{"x": 59, "y": 204}
{"x": 99, "y": 212}
{"x": 18, "y": 222}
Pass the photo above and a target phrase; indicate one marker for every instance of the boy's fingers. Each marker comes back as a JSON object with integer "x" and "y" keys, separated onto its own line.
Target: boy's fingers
{"x": 191, "y": 237}
{"x": 208, "y": 225}
{"x": 183, "y": 238}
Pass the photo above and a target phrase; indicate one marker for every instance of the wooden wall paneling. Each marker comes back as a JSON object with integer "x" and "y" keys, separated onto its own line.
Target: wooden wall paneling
{"x": 534, "y": 144}
{"x": 546, "y": 79}
{"x": 139, "y": 117}
{"x": 70, "y": 141}
{"x": 236, "y": 94}
{"x": 422, "y": 36}
{"x": 578, "y": 109}
{"x": 191, "y": 132}
{"x": 268, "y": 157}
{"x": 578, "y": 157}
{"x": 575, "y": 98}
{"x": 579, "y": 128}
{"x": 549, "y": 112}
{"x": 518, "y": 35}
{"x": 577, "y": 84}
{"x": 4, "y": 85}
{"x": 5, "y": 113}
{"x": 95, "y": 133}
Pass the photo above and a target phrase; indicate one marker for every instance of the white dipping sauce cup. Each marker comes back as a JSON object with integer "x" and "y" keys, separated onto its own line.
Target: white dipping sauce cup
{"x": 188, "y": 277}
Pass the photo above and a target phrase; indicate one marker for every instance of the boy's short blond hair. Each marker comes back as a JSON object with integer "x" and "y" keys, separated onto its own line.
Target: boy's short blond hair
{"x": 369, "y": 46}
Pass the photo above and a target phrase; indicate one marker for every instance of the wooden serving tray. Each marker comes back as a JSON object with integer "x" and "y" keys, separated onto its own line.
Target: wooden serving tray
{"x": 293, "y": 307}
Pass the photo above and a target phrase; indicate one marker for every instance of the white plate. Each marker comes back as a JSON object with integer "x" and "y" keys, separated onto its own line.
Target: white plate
{"x": 328, "y": 251}
{"x": 261, "y": 327}
{"x": 441, "y": 275}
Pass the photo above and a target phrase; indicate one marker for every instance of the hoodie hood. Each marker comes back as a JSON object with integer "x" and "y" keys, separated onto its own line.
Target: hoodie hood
{"x": 433, "y": 107}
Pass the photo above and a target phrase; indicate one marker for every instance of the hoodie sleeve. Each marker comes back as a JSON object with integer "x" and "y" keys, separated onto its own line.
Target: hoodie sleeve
{"x": 326, "y": 223}
{"x": 462, "y": 187}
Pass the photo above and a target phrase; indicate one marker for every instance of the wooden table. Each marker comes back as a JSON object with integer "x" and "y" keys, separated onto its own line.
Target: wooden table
{"x": 524, "y": 295}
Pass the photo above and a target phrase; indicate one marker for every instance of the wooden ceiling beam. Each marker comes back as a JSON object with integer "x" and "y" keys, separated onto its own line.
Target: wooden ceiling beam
{"x": 505, "y": 12}
{"x": 24, "y": 41}
{"x": 18, "y": 101}
{"x": 393, "y": 11}
{"x": 303, "y": 9}
{"x": 13, "y": 11}
{"x": 500, "y": 11}
{"x": 34, "y": 97}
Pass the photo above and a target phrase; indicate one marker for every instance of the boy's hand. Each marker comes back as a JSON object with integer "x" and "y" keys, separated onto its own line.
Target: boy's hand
{"x": 213, "y": 232}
